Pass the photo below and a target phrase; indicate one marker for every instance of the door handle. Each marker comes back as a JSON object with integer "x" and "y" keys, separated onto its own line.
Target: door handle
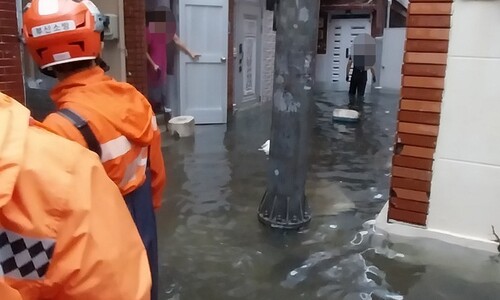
{"x": 223, "y": 59}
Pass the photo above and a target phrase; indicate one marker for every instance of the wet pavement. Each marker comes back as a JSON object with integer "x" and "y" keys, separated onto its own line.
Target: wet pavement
{"x": 213, "y": 247}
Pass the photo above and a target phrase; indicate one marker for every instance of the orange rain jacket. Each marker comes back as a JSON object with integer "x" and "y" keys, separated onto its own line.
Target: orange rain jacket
{"x": 123, "y": 122}
{"x": 65, "y": 231}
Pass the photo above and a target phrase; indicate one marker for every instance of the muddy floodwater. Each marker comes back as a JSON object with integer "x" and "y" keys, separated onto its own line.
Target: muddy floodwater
{"x": 212, "y": 246}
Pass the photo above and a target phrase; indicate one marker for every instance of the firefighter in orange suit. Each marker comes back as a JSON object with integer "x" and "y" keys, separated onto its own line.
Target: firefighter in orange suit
{"x": 110, "y": 118}
{"x": 9, "y": 293}
{"x": 65, "y": 233}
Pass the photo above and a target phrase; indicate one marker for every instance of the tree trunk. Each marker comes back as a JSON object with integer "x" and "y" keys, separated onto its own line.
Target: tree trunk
{"x": 284, "y": 204}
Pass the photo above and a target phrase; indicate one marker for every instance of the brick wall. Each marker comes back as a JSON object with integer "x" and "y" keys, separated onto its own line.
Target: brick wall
{"x": 420, "y": 107}
{"x": 11, "y": 75}
{"x": 135, "y": 42}
{"x": 268, "y": 46}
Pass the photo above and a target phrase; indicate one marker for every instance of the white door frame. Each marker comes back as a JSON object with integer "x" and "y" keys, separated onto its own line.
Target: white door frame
{"x": 242, "y": 9}
{"x": 346, "y": 42}
{"x": 219, "y": 57}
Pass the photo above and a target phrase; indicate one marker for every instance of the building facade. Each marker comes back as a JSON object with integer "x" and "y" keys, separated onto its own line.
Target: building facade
{"x": 341, "y": 21}
{"x": 446, "y": 165}
{"x": 245, "y": 67}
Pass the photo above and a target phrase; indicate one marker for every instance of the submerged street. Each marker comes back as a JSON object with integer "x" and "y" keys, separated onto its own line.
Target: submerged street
{"x": 165, "y": 209}
{"x": 212, "y": 246}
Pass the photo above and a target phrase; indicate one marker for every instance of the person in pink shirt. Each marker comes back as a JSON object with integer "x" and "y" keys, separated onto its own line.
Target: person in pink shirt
{"x": 159, "y": 33}
{"x": 156, "y": 38}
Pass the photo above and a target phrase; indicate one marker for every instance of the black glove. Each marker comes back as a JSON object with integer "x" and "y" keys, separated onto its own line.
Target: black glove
{"x": 347, "y": 78}
{"x": 374, "y": 79}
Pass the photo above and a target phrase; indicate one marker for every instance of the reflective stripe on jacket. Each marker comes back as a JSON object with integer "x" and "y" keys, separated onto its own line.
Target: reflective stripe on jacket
{"x": 123, "y": 123}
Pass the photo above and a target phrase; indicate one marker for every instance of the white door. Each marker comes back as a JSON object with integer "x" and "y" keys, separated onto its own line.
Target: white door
{"x": 342, "y": 33}
{"x": 248, "y": 24}
{"x": 392, "y": 58}
{"x": 203, "y": 26}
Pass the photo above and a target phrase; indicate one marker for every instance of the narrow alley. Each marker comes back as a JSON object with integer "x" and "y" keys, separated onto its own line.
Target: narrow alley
{"x": 213, "y": 247}
{"x": 403, "y": 200}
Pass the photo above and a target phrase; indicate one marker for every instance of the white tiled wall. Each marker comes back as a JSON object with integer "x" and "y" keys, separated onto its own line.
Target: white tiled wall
{"x": 475, "y": 29}
{"x": 465, "y": 196}
{"x": 470, "y": 113}
{"x": 268, "y": 48}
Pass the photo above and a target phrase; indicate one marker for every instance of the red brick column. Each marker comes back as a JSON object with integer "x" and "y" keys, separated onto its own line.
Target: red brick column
{"x": 11, "y": 72}
{"x": 135, "y": 42}
{"x": 424, "y": 70}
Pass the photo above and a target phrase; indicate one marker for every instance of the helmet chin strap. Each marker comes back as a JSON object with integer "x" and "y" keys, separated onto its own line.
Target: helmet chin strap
{"x": 48, "y": 72}
{"x": 101, "y": 63}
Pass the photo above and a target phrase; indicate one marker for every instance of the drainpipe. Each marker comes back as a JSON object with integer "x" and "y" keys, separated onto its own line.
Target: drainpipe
{"x": 380, "y": 42}
{"x": 389, "y": 4}
{"x": 19, "y": 15}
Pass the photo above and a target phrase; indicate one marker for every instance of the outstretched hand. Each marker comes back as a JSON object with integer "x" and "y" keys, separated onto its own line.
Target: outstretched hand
{"x": 195, "y": 56}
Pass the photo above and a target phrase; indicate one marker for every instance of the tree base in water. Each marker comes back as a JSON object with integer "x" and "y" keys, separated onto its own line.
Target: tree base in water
{"x": 283, "y": 212}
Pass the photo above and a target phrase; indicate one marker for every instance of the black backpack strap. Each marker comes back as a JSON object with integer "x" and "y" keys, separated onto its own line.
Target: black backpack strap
{"x": 84, "y": 129}
{"x": 148, "y": 165}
